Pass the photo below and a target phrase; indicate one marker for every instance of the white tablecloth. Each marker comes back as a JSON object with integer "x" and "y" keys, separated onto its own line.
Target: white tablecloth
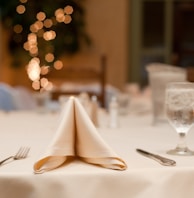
{"x": 144, "y": 177}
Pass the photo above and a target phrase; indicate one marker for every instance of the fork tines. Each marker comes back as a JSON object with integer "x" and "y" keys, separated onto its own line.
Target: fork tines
{"x": 23, "y": 152}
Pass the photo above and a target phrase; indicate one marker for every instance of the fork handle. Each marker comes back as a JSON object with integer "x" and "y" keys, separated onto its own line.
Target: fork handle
{"x": 1, "y": 162}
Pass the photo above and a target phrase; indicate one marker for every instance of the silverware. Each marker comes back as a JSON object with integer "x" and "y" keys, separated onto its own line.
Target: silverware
{"x": 162, "y": 160}
{"x": 21, "y": 154}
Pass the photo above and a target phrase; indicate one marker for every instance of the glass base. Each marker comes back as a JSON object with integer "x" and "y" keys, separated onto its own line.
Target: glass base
{"x": 181, "y": 152}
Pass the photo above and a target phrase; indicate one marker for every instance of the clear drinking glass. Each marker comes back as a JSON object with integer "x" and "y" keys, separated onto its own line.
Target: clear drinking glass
{"x": 179, "y": 106}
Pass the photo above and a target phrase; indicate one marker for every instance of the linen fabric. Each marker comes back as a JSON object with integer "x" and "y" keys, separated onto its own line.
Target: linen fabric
{"x": 76, "y": 136}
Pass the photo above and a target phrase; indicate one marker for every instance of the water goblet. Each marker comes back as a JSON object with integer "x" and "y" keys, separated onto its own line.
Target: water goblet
{"x": 179, "y": 106}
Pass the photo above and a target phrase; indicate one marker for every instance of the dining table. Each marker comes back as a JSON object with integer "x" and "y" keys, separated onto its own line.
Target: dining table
{"x": 143, "y": 178}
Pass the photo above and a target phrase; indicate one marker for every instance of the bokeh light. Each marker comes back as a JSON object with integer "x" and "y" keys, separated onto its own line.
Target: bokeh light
{"x": 68, "y": 9}
{"x": 33, "y": 69}
{"x": 20, "y": 9}
{"x": 41, "y": 16}
{"x": 18, "y": 28}
{"x": 49, "y": 57}
{"x": 58, "y": 65}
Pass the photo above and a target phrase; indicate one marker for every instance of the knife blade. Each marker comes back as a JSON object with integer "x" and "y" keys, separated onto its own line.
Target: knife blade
{"x": 162, "y": 160}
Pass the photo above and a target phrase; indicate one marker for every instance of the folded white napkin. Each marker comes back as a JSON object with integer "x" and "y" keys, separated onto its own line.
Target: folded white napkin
{"x": 77, "y": 136}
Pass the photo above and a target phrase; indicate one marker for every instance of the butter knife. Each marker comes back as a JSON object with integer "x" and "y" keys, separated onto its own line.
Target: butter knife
{"x": 162, "y": 160}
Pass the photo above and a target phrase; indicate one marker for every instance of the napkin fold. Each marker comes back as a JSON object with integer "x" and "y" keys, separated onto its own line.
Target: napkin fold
{"x": 76, "y": 136}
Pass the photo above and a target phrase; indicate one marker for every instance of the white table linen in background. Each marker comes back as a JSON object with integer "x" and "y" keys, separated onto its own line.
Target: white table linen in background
{"x": 143, "y": 178}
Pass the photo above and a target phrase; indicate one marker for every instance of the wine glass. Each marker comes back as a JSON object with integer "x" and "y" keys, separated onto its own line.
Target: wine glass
{"x": 179, "y": 106}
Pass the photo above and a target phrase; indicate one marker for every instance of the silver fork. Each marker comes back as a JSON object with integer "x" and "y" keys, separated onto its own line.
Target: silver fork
{"x": 21, "y": 154}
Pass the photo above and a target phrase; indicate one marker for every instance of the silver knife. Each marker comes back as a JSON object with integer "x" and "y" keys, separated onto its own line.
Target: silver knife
{"x": 162, "y": 160}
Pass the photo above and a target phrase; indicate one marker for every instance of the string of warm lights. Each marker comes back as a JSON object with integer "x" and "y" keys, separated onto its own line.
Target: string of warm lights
{"x": 42, "y": 28}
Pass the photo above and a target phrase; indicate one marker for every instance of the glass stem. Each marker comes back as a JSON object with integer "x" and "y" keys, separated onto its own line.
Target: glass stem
{"x": 182, "y": 141}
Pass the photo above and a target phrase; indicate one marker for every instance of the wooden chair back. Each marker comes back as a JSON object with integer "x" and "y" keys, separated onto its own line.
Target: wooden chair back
{"x": 83, "y": 75}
